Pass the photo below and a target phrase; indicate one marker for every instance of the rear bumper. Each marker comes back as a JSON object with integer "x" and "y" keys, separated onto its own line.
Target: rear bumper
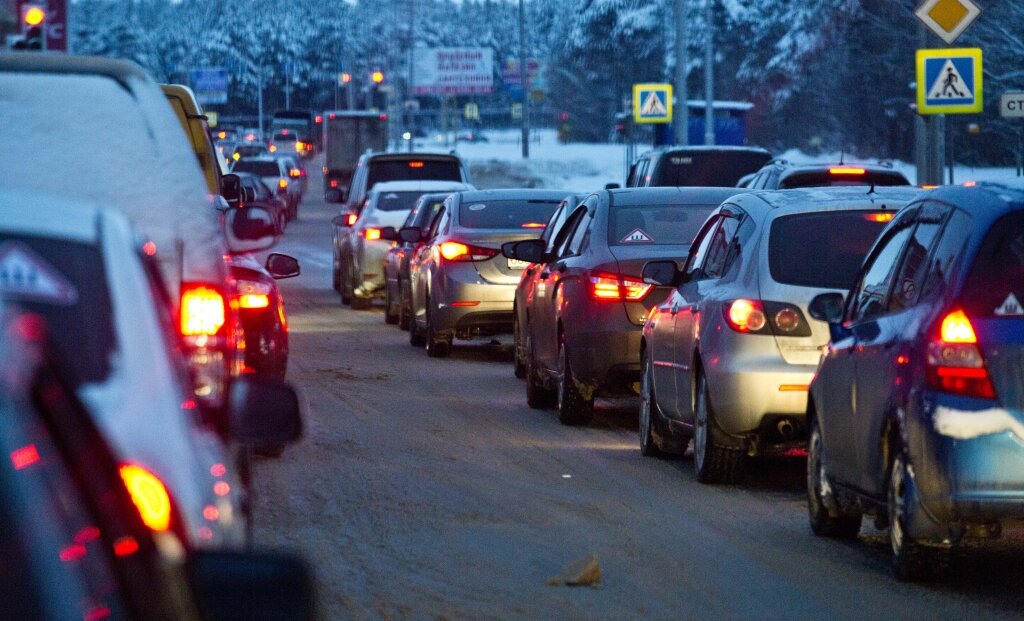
{"x": 606, "y": 359}
{"x": 467, "y": 306}
{"x": 371, "y": 267}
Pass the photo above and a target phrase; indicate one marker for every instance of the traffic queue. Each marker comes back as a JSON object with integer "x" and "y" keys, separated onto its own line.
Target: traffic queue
{"x": 144, "y": 350}
{"x": 829, "y": 310}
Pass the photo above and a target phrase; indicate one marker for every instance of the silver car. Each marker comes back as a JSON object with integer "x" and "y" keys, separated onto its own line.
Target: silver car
{"x": 462, "y": 286}
{"x": 727, "y": 358}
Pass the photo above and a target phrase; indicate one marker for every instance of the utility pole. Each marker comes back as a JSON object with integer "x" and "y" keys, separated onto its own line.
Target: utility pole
{"x": 709, "y": 74}
{"x": 682, "y": 111}
{"x": 524, "y": 81}
{"x": 928, "y": 137}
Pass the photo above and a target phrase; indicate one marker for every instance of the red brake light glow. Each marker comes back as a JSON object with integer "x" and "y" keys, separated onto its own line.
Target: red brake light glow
{"x": 415, "y": 164}
{"x": 294, "y": 173}
{"x": 351, "y": 218}
{"x": 254, "y": 300}
{"x": 846, "y": 170}
{"x": 457, "y": 251}
{"x": 334, "y": 183}
{"x": 957, "y": 328}
{"x": 149, "y": 495}
{"x": 319, "y": 119}
{"x": 879, "y": 217}
{"x": 746, "y": 316}
{"x": 24, "y": 457}
{"x": 453, "y": 250}
{"x": 616, "y": 287}
{"x": 955, "y": 364}
{"x": 371, "y": 234}
{"x": 283, "y": 183}
{"x": 534, "y": 225}
{"x": 202, "y": 311}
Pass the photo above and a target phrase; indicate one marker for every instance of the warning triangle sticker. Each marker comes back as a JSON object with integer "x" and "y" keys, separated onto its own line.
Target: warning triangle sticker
{"x": 653, "y": 106}
{"x": 1010, "y": 307}
{"x": 949, "y": 84}
{"x": 26, "y": 275}
{"x": 637, "y": 235}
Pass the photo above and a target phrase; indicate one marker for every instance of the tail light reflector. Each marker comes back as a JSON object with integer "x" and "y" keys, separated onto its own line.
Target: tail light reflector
{"x": 334, "y": 183}
{"x": 955, "y": 364}
{"x": 457, "y": 251}
{"x": 616, "y": 287}
{"x": 351, "y": 218}
{"x": 846, "y": 170}
{"x": 283, "y": 183}
{"x": 746, "y": 315}
{"x": 149, "y": 495}
{"x": 294, "y": 173}
{"x": 879, "y": 217}
{"x": 371, "y": 234}
{"x": 202, "y": 311}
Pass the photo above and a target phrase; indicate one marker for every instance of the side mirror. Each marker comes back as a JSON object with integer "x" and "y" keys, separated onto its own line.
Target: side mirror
{"x": 410, "y": 234}
{"x": 661, "y": 273}
{"x": 529, "y": 250}
{"x": 249, "y": 229}
{"x": 282, "y": 266}
{"x": 246, "y": 586}
{"x": 231, "y": 189}
{"x": 508, "y": 249}
{"x": 827, "y": 307}
{"x": 263, "y": 412}
{"x": 389, "y": 233}
{"x": 612, "y": 186}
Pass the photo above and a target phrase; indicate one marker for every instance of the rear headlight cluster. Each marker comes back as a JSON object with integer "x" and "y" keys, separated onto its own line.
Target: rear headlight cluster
{"x": 763, "y": 317}
{"x": 371, "y": 234}
{"x": 955, "y": 364}
{"x": 457, "y": 251}
{"x": 252, "y": 294}
{"x": 202, "y": 325}
{"x": 618, "y": 288}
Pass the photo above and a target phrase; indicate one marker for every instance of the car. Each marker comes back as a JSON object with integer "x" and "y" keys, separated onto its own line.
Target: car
{"x": 372, "y": 168}
{"x": 287, "y": 142}
{"x": 296, "y": 173}
{"x": 274, "y": 172}
{"x": 251, "y": 136}
{"x": 361, "y": 248}
{"x": 915, "y": 410}
{"x": 528, "y": 281}
{"x": 461, "y": 284}
{"x": 86, "y": 535}
{"x": 582, "y": 325}
{"x": 266, "y": 198}
{"x": 99, "y": 289}
{"x": 721, "y": 166}
{"x": 225, "y": 149}
{"x": 727, "y": 357}
{"x": 780, "y": 174}
{"x": 249, "y": 150}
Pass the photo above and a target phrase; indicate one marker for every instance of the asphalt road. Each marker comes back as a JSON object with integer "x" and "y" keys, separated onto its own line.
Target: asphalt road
{"x": 427, "y": 489}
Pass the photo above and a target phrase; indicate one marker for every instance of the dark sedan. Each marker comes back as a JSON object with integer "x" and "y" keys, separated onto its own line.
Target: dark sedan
{"x": 583, "y": 324}
{"x": 261, "y": 310}
{"x": 917, "y": 409}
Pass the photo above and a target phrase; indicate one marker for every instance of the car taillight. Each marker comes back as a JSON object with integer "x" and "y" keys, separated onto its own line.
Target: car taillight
{"x": 746, "y": 315}
{"x": 294, "y": 173}
{"x": 149, "y": 496}
{"x": 457, "y": 251}
{"x": 252, "y": 294}
{"x": 299, "y": 146}
{"x": 616, "y": 287}
{"x": 202, "y": 311}
{"x": 955, "y": 364}
{"x": 283, "y": 183}
{"x": 846, "y": 170}
{"x": 371, "y": 234}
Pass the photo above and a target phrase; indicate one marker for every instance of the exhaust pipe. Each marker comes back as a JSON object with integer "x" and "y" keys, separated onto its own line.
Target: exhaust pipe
{"x": 786, "y": 429}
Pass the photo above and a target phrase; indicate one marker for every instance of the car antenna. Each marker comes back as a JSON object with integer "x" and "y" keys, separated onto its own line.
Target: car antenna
{"x": 842, "y": 155}
{"x": 871, "y": 190}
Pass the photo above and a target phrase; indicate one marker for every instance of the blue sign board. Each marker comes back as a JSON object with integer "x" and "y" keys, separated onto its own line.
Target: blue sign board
{"x": 210, "y": 85}
{"x": 949, "y": 81}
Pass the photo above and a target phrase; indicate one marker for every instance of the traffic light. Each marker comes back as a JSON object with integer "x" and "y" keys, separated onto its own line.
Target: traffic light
{"x": 33, "y": 28}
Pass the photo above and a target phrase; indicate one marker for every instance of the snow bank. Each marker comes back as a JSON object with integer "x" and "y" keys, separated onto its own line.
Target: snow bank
{"x": 966, "y": 425}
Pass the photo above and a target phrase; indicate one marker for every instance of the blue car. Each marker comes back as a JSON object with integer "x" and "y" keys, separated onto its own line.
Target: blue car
{"x": 916, "y": 413}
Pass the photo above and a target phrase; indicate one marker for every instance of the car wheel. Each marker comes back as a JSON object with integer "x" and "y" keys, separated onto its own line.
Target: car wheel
{"x": 713, "y": 463}
{"x": 538, "y": 396}
{"x": 403, "y": 315}
{"x": 911, "y": 561}
{"x": 518, "y": 360}
{"x": 416, "y": 338}
{"x": 390, "y": 316}
{"x": 573, "y": 407}
{"x": 437, "y": 347}
{"x": 336, "y": 275}
{"x": 836, "y": 523}
{"x": 648, "y": 403}
{"x": 346, "y": 283}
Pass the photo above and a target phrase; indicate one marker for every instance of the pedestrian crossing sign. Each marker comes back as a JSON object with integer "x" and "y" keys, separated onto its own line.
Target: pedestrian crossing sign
{"x": 652, "y": 103}
{"x": 949, "y": 81}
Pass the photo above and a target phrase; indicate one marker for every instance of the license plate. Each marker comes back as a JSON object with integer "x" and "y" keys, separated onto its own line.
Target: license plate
{"x": 516, "y": 264}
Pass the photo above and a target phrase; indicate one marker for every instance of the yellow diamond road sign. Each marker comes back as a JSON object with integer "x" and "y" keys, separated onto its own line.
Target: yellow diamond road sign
{"x": 652, "y": 103}
{"x": 948, "y": 18}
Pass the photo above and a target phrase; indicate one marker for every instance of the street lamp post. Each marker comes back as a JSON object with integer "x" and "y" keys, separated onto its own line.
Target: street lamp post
{"x": 682, "y": 112}
{"x": 524, "y": 81}
{"x": 709, "y": 75}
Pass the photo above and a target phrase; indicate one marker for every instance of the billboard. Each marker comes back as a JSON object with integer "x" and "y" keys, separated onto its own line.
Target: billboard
{"x": 453, "y": 71}
{"x": 210, "y": 85}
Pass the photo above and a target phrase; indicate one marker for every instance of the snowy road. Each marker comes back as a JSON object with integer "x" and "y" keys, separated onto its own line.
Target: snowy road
{"x": 427, "y": 489}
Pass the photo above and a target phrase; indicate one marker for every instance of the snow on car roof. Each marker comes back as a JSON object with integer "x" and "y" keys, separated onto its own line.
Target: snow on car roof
{"x": 33, "y": 213}
{"x": 419, "y": 186}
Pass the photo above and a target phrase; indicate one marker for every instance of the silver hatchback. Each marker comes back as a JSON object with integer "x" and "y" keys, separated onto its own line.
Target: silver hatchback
{"x": 727, "y": 358}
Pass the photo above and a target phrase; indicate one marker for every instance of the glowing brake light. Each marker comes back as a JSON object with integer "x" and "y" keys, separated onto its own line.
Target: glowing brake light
{"x": 955, "y": 364}
{"x": 351, "y": 218}
{"x": 272, "y": 148}
{"x": 879, "y": 217}
{"x": 294, "y": 172}
{"x": 453, "y": 250}
{"x": 283, "y": 183}
{"x": 149, "y": 496}
{"x": 846, "y": 170}
{"x": 222, "y": 135}
{"x": 334, "y": 183}
{"x": 299, "y": 145}
{"x": 253, "y": 294}
{"x": 202, "y": 311}
{"x": 24, "y": 457}
{"x": 615, "y": 287}
{"x": 416, "y": 164}
{"x": 746, "y": 315}
{"x": 534, "y": 225}
{"x": 319, "y": 119}
{"x": 457, "y": 251}
{"x": 371, "y": 234}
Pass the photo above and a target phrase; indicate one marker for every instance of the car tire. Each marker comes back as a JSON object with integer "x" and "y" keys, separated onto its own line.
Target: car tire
{"x": 911, "y": 561}
{"x": 845, "y": 525}
{"x": 713, "y": 463}
{"x": 573, "y": 408}
{"x": 437, "y": 347}
{"x": 648, "y": 408}
{"x": 538, "y": 396}
{"x": 390, "y": 316}
{"x": 403, "y": 315}
{"x": 416, "y": 338}
{"x": 346, "y": 282}
{"x": 335, "y": 276}
{"x": 518, "y": 359}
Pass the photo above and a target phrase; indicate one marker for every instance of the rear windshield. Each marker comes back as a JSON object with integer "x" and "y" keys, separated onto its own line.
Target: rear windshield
{"x": 822, "y": 250}
{"x": 995, "y": 287}
{"x": 397, "y": 201}
{"x": 716, "y": 168}
{"x": 250, "y": 150}
{"x": 413, "y": 170}
{"x": 823, "y": 178}
{"x": 424, "y": 214}
{"x": 506, "y": 214}
{"x": 285, "y": 138}
{"x": 656, "y": 224}
{"x": 258, "y": 168}
{"x": 65, "y": 282}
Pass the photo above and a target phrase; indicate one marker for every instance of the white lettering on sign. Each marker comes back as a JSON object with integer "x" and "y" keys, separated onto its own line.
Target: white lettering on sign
{"x": 1011, "y": 105}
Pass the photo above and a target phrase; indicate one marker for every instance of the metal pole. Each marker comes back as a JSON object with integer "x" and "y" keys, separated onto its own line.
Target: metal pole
{"x": 524, "y": 81}
{"x": 949, "y": 146}
{"x": 682, "y": 111}
{"x": 709, "y": 74}
{"x": 259, "y": 99}
{"x": 410, "y": 114}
